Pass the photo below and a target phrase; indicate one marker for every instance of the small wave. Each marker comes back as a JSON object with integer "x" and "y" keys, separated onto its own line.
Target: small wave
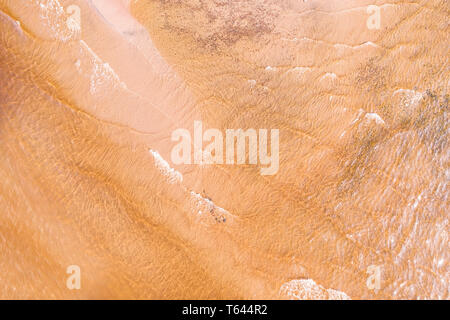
{"x": 173, "y": 175}
{"x": 102, "y": 73}
{"x": 64, "y": 27}
{"x": 374, "y": 117}
{"x": 204, "y": 205}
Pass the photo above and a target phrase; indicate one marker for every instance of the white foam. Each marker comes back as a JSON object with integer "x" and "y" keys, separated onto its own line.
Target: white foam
{"x": 173, "y": 175}
{"x": 335, "y": 45}
{"x": 329, "y": 75}
{"x": 416, "y": 203}
{"x": 375, "y": 117}
{"x": 64, "y": 28}
{"x": 410, "y": 98}
{"x": 360, "y": 112}
{"x": 300, "y": 70}
{"x": 369, "y": 44}
{"x": 203, "y": 205}
{"x": 102, "y": 73}
{"x": 307, "y": 289}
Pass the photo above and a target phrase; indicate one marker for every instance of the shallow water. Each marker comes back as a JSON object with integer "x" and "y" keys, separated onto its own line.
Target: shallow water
{"x": 86, "y": 174}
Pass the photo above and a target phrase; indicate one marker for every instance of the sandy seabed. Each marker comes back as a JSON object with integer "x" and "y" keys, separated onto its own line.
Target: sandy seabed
{"x": 92, "y": 90}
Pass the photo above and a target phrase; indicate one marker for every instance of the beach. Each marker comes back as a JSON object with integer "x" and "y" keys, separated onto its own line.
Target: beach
{"x": 95, "y": 95}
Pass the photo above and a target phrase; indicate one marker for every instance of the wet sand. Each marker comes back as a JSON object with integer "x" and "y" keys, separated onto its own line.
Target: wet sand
{"x": 86, "y": 178}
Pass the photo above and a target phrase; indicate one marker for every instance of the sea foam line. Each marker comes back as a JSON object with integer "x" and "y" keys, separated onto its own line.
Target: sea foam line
{"x": 173, "y": 175}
